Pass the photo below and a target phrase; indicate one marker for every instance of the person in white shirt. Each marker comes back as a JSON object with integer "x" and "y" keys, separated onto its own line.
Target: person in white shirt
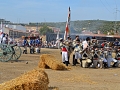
{"x": 77, "y": 51}
{"x": 84, "y": 44}
{"x": 1, "y": 37}
{"x": 4, "y": 40}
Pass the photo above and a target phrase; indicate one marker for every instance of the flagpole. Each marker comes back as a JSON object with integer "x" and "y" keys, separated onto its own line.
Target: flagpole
{"x": 69, "y": 18}
{"x": 57, "y": 40}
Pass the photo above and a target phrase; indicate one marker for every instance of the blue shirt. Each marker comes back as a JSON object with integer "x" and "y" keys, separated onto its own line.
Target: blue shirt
{"x": 25, "y": 42}
{"x": 37, "y": 41}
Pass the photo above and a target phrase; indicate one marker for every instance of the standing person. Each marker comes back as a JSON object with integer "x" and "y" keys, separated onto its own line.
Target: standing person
{"x": 103, "y": 44}
{"x": 4, "y": 39}
{"x": 45, "y": 44}
{"x": 6, "y": 35}
{"x": 64, "y": 52}
{"x": 116, "y": 42}
{"x": 68, "y": 43}
{"x": 37, "y": 42}
{"x": 77, "y": 51}
{"x": 84, "y": 44}
{"x": 1, "y": 37}
{"x": 94, "y": 43}
{"x": 30, "y": 45}
{"x": 73, "y": 45}
{"x": 33, "y": 45}
{"x": 41, "y": 43}
{"x": 25, "y": 44}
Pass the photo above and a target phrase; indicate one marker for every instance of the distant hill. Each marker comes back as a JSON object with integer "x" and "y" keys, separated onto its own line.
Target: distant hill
{"x": 80, "y": 25}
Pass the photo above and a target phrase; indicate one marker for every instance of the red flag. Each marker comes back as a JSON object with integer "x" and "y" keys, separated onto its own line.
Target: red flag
{"x": 67, "y": 29}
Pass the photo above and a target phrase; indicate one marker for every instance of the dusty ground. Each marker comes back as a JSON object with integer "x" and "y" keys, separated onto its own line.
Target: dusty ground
{"x": 76, "y": 78}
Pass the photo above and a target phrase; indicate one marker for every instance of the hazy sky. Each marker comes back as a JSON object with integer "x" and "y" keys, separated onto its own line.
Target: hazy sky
{"x": 25, "y": 11}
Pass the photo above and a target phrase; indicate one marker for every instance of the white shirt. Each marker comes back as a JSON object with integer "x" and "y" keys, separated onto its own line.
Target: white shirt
{"x": 4, "y": 40}
{"x": 85, "y": 44}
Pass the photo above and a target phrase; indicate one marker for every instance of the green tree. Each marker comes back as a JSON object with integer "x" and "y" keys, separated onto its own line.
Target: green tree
{"x": 45, "y": 29}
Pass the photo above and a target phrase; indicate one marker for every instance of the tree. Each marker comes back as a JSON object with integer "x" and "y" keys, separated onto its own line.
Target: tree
{"x": 45, "y": 29}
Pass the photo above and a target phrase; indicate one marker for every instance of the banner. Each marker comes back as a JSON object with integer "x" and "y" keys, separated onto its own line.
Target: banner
{"x": 67, "y": 28}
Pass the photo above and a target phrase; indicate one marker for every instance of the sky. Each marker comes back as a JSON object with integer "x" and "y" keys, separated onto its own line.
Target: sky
{"x": 25, "y": 11}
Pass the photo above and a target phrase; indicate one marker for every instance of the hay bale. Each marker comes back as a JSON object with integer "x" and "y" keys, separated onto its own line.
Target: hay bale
{"x": 47, "y": 60}
{"x": 33, "y": 80}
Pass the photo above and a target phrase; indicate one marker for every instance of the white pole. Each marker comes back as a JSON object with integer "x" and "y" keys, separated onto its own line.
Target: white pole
{"x": 14, "y": 27}
{"x": 58, "y": 40}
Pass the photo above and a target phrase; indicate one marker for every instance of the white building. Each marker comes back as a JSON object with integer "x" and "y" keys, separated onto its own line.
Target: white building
{"x": 15, "y": 31}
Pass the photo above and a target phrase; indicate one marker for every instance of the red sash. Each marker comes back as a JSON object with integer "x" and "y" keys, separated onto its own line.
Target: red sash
{"x": 118, "y": 58}
{"x": 64, "y": 49}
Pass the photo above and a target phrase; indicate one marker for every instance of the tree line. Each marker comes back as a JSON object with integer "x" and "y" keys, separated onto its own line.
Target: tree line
{"x": 80, "y": 25}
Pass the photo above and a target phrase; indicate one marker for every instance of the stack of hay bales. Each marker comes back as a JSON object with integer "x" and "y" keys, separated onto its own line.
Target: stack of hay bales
{"x": 33, "y": 80}
{"x": 49, "y": 61}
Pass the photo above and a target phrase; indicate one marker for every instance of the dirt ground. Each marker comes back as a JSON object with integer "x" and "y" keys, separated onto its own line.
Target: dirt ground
{"x": 76, "y": 78}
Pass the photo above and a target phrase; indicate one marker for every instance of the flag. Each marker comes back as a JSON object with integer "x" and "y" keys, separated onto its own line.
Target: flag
{"x": 67, "y": 28}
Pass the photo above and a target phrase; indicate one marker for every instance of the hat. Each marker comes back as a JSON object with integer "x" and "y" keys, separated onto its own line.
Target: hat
{"x": 23, "y": 37}
{"x": 77, "y": 36}
{"x": 61, "y": 39}
{"x": 68, "y": 36}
